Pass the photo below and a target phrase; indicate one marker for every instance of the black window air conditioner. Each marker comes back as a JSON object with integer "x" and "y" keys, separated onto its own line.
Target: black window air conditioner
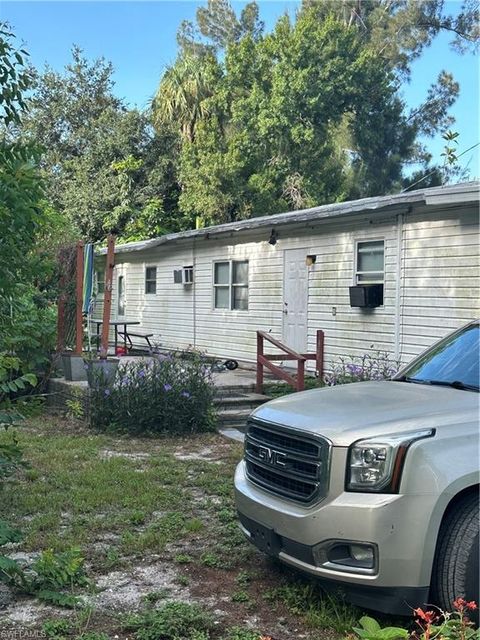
{"x": 367, "y": 296}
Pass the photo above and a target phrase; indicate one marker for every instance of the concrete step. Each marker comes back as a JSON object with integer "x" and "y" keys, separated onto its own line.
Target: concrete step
{"x": 233, "y": 416}
{"x": 240, "y": 401}
{"x": 233, "y": 434}
{"x": 234, "y": 389}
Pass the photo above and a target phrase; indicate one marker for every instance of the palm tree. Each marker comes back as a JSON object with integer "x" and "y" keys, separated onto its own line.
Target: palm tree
{"x": 181, "y": 98}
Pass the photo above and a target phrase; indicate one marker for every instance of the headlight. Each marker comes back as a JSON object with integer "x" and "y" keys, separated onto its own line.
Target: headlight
{"x": 376, "y": 464}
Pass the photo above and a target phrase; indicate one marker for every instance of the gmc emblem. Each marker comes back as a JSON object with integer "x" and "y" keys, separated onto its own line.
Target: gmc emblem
{"x": 272, "y": 457}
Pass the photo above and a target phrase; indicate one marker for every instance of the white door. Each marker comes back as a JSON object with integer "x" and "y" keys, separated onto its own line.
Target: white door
{"x": 295, "y": 299}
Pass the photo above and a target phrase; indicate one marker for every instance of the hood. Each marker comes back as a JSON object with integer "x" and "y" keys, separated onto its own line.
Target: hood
{"x": 346, "y": 413}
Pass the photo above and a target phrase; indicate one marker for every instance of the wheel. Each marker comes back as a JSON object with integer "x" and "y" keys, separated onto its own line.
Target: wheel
{"x": 455, "y": 571}
{"x": 231, "y": 364}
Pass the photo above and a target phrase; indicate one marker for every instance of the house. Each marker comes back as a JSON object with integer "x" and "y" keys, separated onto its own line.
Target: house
{"x": 290, "y": 274}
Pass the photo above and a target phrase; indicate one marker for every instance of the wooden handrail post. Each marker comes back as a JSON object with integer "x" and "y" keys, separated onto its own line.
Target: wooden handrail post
{"x": 107, "y": 298}
{"x": 79, "y": 301}
{"x": 61, "y": 315}
{"x": 259, "y": 384}
{"x": 320, "y": 353}
{"x": 301, "y": 375}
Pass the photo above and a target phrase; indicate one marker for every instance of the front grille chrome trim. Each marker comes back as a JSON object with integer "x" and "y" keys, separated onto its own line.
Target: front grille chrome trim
{"x": 289, "y": 463}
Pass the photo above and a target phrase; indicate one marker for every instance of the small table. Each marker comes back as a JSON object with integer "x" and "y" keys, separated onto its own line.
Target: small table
{"x": 115, "y": 324}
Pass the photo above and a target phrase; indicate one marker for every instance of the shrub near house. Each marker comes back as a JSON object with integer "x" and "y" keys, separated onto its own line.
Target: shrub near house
{"x": 173, "y": 395}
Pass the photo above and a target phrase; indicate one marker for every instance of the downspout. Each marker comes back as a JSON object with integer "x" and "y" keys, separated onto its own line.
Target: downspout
{"x": 194, "y": 296}
{"x": 398, "y": 289}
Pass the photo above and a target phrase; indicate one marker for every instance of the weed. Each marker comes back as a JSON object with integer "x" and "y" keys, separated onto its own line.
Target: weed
{"x": 194, "y": 525}
{"x": 241, "y": 633}
{"x": 154, "y": 596}
{"x": 241, "y": 596}
{"x": 244, "y": 578}
{"x": 56, "y": 629}
{"x": 183, "y": 558}
{"x": 318, "y": 609}
{"x": 174, "y": 621}
{"x": 183, "y": 580}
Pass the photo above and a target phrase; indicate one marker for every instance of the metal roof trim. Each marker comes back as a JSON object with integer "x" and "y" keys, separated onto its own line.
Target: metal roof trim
{"x": 450, "y": 194}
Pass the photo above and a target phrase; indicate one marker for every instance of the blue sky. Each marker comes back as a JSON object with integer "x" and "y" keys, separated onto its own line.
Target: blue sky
{"x": 139, "y": 39}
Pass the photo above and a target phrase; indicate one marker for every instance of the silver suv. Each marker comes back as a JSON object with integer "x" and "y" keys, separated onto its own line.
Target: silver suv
{"x": 373, "y": 486}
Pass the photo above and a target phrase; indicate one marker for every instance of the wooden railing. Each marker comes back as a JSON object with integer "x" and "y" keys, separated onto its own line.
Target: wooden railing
{"x": 266, "y": 360}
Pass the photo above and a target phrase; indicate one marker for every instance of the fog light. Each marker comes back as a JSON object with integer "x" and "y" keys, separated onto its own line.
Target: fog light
{"x": 354, "y": 555}
{"x": 363, "y": 554}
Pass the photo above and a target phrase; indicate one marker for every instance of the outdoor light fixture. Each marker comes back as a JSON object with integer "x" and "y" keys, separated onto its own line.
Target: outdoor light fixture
{"x": 311, "y": 259}
{"x": 273, "y": 238}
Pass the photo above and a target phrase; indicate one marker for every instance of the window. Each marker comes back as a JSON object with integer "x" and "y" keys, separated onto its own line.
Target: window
{"x": 370, "y": 262}
{"x": 121, "y": 296}
{"x": 230, "y": 285}
{"x": 100, "y": 281}
{"x": 151, "y": 280}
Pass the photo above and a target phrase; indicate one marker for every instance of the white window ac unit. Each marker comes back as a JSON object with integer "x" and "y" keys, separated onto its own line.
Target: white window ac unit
{"x": 183, "y": 275}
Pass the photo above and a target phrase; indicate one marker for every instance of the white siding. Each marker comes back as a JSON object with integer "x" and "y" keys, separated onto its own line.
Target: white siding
{"x": 438, "y": 291}
{"x": 440, "y": 276}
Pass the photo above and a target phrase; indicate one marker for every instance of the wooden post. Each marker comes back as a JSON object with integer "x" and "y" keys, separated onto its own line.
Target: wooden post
{"x": 259, "y": 385}
{"x": 79, "y": 301}
{"x": 107, "y": 299}
{"x": 301, "y": 375}
{"x": 320, "y": 353}
{"x": 61, "y": 315}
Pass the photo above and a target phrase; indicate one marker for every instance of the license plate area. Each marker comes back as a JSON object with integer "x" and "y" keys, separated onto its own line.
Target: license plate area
{"x": 265, "y": 539}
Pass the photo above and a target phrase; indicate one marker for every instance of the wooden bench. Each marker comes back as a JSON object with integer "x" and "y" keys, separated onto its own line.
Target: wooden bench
{"x": 137, "y": 332}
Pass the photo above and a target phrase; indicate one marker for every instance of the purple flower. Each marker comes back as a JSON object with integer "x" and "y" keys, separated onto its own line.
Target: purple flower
{"x": 185, "y": 394}
{"x": 141, "y": 373}
{"x": 106, "y": 392}
{"x": 167, "y": 387}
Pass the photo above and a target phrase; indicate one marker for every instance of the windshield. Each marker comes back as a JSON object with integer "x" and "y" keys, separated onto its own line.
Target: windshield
{"x": 453, "y": 361}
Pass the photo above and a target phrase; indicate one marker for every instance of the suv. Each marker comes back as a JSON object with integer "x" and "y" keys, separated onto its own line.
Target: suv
{"x": 373, "y": 486}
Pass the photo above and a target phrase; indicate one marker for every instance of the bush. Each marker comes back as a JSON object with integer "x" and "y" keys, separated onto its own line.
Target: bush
{"x": 173, "y": 395}
{"x": 377, "y": 366}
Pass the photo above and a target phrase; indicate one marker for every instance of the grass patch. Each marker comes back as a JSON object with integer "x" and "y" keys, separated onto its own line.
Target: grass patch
{"x": 128, "y": 502}
{"x": 318, "y": 609}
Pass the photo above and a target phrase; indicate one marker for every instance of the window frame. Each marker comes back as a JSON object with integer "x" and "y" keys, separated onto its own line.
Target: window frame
{"x": 100, "y": 282}
{"x": 356, "y": 272}
{"x": 150, "y": 280}
{"x": 231, "y": 286}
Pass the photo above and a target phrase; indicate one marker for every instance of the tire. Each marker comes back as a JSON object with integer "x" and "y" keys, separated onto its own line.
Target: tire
{"x": 455, "y": 571}
{"x": 231, "y": 364}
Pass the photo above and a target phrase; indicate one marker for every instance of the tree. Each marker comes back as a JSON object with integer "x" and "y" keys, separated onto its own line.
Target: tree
{"x": 90, "y": 138}
{"x": 20, "y": 184}
{"x": 310, "y": 113}
{"x": 217, "y": 26}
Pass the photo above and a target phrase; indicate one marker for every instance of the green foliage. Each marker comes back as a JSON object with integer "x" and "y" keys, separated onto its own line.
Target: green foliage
{"x": 241, "y": 633}
{"x": 172, "y": 395}
{"x": 455, "y": 625}
{"x": 174, "y": 621}
{"x": 88, "y": 134}
{"x": 370, "y": 366}
{"x": 56, "y": 629}
{"x": 371, "y": 630}
{"x": 318, "y": 608}
{"x": 57, "y": 571}
{"x": 52, "y": 578}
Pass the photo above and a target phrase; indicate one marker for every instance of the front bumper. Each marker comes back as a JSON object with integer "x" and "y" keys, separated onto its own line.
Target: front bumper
{"x": 390, "y": 523}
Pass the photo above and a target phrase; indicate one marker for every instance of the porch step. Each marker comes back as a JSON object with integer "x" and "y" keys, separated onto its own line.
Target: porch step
{"x": 233, "y": 410}
{"x": 239, "y": 401}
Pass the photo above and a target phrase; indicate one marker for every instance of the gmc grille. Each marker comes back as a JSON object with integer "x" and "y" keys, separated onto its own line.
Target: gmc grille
{"x": 287, "y": 463}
